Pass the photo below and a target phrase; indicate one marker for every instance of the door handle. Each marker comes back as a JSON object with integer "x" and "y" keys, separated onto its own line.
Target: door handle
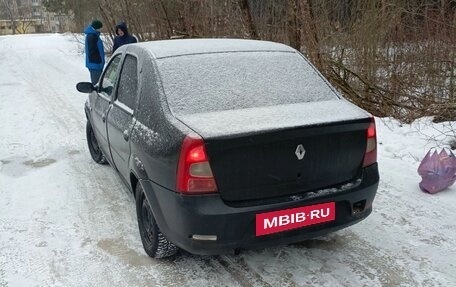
{"x": 125, "y": 135}
{"x": 103, "y": 117}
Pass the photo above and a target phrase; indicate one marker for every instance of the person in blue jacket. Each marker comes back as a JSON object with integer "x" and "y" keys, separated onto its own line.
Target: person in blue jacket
{"x": 94, "y": 50}
{"x": 123, "y": 37}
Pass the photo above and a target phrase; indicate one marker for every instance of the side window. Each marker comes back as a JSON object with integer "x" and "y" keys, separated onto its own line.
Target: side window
{"x": 128, "y": 84}
{"x": 110, "y": 77}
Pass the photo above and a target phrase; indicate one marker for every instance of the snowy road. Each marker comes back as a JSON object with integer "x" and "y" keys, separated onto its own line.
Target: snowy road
{"x": 66, "y": 221}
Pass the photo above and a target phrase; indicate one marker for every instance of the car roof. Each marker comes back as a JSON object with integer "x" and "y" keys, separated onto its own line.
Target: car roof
{"x": 181, "y": 47}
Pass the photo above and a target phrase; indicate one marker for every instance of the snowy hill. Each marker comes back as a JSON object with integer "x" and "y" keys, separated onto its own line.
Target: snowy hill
{"x": 66, "y": 221}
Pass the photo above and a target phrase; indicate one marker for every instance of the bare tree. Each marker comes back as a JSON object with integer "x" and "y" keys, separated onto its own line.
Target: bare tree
{"x": 392, "y": 57}
{"x": 24, "y": 17}
{"x": 10, "y": 8}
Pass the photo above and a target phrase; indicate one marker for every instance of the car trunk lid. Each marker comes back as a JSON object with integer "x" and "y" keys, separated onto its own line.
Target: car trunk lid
{"x": 283, "y": 150}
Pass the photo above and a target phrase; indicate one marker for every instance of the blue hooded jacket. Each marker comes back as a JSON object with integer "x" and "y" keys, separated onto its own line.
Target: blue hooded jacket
{"x": 122, "y": 40}
{"x": 94, "y": 50}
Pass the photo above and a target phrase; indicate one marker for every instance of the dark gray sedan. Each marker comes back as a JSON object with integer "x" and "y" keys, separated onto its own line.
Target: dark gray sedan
{"x": 230, "y": 144}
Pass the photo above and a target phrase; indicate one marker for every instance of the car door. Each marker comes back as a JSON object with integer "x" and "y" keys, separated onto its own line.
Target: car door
{"x": 102, "y": 103}
{"x": 121, "y": 117}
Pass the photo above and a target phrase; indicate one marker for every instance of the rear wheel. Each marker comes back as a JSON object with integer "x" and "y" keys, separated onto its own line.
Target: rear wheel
{"x": 155, "y": 243}
{"x": 94, "y": 148}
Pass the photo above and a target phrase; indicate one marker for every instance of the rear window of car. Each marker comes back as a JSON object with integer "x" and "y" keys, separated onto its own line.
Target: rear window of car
{"x": 239, "y": 80}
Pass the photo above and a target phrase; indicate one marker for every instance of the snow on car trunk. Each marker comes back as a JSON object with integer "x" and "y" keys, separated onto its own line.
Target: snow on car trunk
{"x": 257, "y": 147}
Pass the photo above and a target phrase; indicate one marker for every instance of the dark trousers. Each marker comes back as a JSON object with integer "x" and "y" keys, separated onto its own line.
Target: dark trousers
{"x": 95, "y": 76}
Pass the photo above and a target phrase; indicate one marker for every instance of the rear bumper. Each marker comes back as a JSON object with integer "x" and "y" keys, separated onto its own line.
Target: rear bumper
{"x": 180, "y": 217}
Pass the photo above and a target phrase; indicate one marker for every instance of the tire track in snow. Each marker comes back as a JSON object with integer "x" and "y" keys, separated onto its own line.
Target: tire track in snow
{"x": 3, "y": 282}
{"x": 30, "y": 266}
{"x": 240, "y": 271}
{"x": 53, "y": 105}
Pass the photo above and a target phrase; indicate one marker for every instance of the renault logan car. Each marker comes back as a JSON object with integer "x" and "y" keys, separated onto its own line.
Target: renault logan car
{"x": 230, "y": 144}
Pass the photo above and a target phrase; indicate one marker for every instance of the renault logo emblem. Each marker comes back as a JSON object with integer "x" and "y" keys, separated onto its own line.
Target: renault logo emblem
{"x": 300, "y": 152}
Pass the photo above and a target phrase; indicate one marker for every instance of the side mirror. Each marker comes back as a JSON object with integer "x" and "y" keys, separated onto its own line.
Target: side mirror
{"x": 85, "y": 87}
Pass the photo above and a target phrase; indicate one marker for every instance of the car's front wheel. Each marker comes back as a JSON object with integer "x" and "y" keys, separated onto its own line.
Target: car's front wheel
{"x": 155, "y": 243}
{"x": 94, "y": 149}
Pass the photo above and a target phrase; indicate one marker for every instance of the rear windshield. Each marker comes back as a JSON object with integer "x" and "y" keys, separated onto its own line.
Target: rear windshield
{"x": 227, "y": 81}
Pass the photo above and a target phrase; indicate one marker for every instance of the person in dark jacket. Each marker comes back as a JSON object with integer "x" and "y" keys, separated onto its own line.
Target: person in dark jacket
{"x": 122, "y": 37}
{"x": 94, "y": 50}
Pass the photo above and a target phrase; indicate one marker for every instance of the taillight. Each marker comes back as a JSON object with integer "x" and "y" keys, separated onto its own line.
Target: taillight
{"x": 370, "y": 156}
{"x": 194, "y": 173}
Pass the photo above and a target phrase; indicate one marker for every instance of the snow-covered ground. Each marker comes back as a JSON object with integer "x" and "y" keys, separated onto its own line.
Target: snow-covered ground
{"x": 66, "y": 221}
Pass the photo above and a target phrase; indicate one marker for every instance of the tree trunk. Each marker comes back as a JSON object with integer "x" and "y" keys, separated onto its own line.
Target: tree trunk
{"x": 311, "y": 32}
{"x": 247, "y": 19}
{"x": 294, "y": 24}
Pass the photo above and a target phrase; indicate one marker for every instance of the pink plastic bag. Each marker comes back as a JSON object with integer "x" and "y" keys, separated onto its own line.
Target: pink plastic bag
{"x": 437, "y": 170}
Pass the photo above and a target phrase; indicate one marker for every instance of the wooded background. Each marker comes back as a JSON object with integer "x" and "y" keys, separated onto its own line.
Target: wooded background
{"x": 393, "y": 58}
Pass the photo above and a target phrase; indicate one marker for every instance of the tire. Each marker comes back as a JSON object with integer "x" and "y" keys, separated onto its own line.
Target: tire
{"x": 154, "y": 242}
{"x": 94, "y": 149}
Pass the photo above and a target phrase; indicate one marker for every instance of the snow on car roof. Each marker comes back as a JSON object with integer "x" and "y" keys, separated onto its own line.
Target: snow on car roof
{"x": 172, "y": 48}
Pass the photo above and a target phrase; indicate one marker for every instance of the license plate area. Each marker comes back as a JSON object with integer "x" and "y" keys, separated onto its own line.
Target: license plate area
{"x": 292, "y": 218}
